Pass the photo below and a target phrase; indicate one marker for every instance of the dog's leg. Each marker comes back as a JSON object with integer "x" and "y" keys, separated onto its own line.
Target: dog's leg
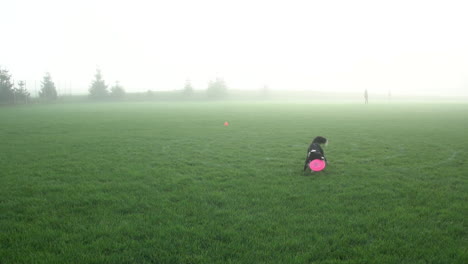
{"x": 306, "y": 163}
{"x": 307, "y": 160}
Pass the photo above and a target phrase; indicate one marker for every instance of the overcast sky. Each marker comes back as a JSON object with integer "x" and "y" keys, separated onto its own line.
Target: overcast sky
{"x": 403, "y": 46}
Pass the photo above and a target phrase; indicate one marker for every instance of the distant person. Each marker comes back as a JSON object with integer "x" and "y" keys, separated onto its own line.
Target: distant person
{"x": 366, "y": 97}
{"x": 315, "y": 151}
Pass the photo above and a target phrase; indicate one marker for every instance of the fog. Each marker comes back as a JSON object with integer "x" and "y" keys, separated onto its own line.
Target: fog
{"x": 406, "y": 47}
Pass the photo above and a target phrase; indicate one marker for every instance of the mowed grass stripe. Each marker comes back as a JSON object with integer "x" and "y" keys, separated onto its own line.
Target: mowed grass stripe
{"x": 168, "y": 183}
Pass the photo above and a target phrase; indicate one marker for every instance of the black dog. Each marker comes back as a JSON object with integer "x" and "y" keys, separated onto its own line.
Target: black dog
{"x": 315, "y": 151}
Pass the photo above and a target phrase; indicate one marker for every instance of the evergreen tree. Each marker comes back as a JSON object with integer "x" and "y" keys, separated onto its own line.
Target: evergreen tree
{"x": 149, "y": 94}
{"x": 20, "y": 93}
{"x": 48, "y": 90}
{"x": 217, "y": 89}
{"x": 188, "y": 89}
{"x": 117, "y": 91}
{"x": 265, "y": 92}
{"x": 98, "y": 89}
{"x": 6, "y": 87}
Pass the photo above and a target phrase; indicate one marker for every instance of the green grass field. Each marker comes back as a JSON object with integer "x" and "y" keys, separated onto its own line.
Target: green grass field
{"x": 168, "y": 183}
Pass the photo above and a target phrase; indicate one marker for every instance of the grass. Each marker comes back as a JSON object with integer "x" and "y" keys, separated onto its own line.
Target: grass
{"x": 168, "y": 183}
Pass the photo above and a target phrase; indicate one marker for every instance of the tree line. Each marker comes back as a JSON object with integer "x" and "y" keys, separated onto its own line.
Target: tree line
{"x": 14, "y": 93}
{"x": 11, "y": 93}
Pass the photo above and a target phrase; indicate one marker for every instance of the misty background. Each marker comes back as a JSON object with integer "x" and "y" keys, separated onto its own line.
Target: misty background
{"x": 406, "y": 47}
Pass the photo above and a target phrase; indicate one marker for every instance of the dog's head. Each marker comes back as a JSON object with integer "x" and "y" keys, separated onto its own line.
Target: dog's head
{"x": 320, "y": 140}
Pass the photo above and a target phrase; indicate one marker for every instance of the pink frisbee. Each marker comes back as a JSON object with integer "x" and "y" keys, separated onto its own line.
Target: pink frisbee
{"x": 317, "y": 165}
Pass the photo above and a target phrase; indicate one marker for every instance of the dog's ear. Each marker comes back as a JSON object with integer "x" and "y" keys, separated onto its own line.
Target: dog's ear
{"x": 320, "y": 140}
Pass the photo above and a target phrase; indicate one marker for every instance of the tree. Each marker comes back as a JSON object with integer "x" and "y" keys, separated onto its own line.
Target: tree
{"x": 265, "y": 92}
{"x": 188, "y": 89}
{"x": 216, "y": 89}
{"x": 48, "y": 90}
{"x": 98, "y": 89}
{"x": 6, "y": 87}
{"x": 149, "y": 94}
{"x": 117, "y": 91}
{"x": 20, "y": 93}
